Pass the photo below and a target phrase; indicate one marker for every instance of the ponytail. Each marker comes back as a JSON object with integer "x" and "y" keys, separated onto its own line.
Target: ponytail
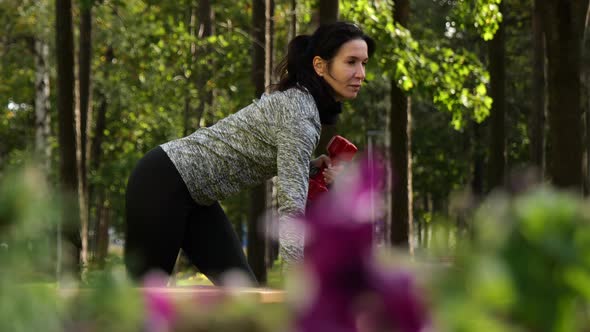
{"x": 297, "y": 61}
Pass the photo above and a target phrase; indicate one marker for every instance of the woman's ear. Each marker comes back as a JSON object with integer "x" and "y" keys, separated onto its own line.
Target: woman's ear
{"x": 319, "y": 65}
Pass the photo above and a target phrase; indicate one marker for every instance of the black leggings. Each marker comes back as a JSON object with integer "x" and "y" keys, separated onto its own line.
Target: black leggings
{"x": 162, "y": 218}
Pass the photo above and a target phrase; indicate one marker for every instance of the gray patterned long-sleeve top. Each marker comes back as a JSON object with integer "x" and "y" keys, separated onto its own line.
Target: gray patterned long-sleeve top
{"x": 275, "y": 135}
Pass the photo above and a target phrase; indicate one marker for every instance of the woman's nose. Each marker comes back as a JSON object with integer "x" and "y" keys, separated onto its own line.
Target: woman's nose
{"x": 360, "y": 72}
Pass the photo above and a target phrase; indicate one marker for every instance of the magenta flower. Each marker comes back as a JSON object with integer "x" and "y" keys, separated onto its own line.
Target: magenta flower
{"x": 403, "y": 308}
{"x": 351, "y": 291}
{"x": 160, "y": 310}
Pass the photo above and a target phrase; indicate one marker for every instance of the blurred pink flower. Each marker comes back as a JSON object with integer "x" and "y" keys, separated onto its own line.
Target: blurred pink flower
{"x": 352, "y": 292}
{"x": 160, "y": 310}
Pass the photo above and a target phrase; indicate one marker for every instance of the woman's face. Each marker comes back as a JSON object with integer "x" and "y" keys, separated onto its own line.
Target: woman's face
{"x": 346, "y": 71}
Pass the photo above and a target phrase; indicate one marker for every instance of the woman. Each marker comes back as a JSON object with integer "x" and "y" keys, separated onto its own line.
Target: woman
{"x": 173, "y": 193}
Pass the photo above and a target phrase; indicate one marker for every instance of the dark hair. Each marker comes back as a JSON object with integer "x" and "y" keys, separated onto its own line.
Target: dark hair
{"x": 297, "y": 67}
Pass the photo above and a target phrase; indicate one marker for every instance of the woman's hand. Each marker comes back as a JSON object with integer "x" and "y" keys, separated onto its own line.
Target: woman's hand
{"x": 321, "y": 161}
{"x": 329, "y": 172}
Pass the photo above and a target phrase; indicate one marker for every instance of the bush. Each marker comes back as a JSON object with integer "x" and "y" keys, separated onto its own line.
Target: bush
{"x": 525, "y": 266}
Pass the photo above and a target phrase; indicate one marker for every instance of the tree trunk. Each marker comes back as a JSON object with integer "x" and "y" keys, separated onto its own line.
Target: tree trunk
{"x": 42, "y": 104}
{"x": 269, "y": 42}
{"x": 497, "y": 54}
{"x": 401, "y": 153}
{"x": 188, "y": 128}
{"x": 293, "y": 20}
{"x": 328, "y": 11}
{"x": 85, "y": 87}
{"x": 96, "y": 194}
{"x": 102, "y": 230}
{"x": 187, "y": 112}
{"x": 586, "y": 99}
{"x": 205, "y": 30}
{"x": 256, "y": 237}
{"x": 256, "y": 240}
{"x": 85, "y": 95}
{"x": 419, "y": 223}
{"x": 537, "y": 131}
{"x": 564, "y": 22}
{"x": 205, "y": 19}
{"x": 477, "y": 182}
{"x": 70, "y": 226}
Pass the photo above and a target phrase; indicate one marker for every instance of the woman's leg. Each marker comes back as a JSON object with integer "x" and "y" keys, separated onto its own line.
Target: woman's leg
{"x": 156, "y": 211}
{"x": 213, "y": 246}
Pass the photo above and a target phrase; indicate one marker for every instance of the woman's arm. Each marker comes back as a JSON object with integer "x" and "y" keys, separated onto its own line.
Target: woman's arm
{"x": 296, "y": 142}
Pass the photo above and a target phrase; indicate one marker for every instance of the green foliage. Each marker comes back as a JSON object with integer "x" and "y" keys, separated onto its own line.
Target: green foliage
{"x": 436, "y": 170}
{"x": 483, "y": 15}
{"x": 29, "y": 213}
{"x": 519, "y": 52}
{"x": 28, "y": 308}
{"x": 109, "y": 304}
{"x": 15, "y": 133}
{"x": 527, "y": 268}
{"x": 550, "y": 253}
{"x": 233, "y": 315}
{"x": 456, "y": 80}
{"x": 20, "y": 25}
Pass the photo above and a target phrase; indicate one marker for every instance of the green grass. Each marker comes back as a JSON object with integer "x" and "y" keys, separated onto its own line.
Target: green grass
{"x": 275, "y": 278}
{"x": 186, "y": 275}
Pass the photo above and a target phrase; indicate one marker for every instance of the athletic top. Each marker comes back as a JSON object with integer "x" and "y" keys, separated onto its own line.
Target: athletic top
{"x": 273, "y": 136}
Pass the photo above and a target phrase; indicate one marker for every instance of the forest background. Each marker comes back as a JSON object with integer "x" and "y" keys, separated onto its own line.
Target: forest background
{"x": 463, "y": 97}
